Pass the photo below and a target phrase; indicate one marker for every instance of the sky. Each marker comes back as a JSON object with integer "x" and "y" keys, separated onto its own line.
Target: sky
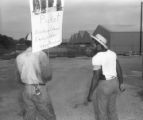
{"x": 78, "y": 15}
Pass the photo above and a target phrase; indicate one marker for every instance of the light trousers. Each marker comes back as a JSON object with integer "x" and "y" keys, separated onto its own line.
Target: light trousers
{"x": 104, "y": 100}
{"x": 37, "y": 107}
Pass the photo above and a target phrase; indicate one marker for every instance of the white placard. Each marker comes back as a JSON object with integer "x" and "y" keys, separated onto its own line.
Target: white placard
{"x": 46, "y": 21}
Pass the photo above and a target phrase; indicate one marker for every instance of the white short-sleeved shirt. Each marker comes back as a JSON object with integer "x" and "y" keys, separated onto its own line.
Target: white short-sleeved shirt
{"x": 29, "y": 67}
{"x": 106, "y": 60}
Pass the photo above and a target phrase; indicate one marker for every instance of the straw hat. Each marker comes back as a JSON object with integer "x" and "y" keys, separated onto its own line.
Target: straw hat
{"x": 100, "y": 39}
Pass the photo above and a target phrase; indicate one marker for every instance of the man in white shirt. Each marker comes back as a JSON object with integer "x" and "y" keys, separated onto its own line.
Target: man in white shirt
{"x": 107, "y": 80}
{"x": 34, "y": 72}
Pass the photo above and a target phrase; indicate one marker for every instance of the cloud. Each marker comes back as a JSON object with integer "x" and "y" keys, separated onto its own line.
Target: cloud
{"x": 88, "y": 16}
{"x": 15, "y": 17}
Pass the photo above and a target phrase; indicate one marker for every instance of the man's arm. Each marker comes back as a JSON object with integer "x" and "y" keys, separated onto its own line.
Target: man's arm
{"x": 119, "y": 75}
{"x": 94, "y": 83}
{"x": 18, "y": 77}
{"x": 119, "y": 72}
{"x": 46, "y": 69}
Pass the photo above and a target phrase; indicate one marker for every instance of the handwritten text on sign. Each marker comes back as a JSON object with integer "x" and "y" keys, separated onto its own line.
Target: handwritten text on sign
{"x": 46, "y": 30}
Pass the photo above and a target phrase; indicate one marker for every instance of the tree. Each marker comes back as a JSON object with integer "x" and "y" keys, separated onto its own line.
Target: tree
{"x": 7, "y": 42}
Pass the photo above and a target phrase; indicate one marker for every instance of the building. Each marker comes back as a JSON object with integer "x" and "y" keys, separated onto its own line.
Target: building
{"x": 78, "y": 43}
{"x": 123, "y": 39}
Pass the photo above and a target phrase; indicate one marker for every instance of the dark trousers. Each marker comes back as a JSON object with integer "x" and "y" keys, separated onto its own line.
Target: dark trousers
{"x": 104, "y": 100}
{"x": 37, "y": 107}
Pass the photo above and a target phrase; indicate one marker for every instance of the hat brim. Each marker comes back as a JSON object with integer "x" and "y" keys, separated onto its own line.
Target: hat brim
{"x": 95, "y": 38}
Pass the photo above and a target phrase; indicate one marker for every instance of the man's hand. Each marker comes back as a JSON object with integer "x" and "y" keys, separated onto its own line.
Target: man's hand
{"x": 86, "y": 102}
{"x": 122, "y": 87}
{"x": 89, "y": 99}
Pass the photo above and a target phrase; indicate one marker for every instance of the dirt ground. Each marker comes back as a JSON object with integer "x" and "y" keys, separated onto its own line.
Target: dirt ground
{"x": 71, "y": 79}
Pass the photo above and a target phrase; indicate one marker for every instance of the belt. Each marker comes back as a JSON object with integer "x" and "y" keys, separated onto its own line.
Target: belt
{"x": 34, "y": 84}
{"x": 111, "y": 78}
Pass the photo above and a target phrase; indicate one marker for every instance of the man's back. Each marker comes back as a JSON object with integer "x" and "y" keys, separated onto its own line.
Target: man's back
{"x": 33, "y": 67}
{"x": 107, "y": 60}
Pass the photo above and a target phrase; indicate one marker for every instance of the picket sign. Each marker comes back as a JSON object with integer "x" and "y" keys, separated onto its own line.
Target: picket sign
{"x": 46, "y": 25}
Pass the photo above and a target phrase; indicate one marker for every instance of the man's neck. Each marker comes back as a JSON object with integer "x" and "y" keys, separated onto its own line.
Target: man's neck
{"x": 102, "y": 50}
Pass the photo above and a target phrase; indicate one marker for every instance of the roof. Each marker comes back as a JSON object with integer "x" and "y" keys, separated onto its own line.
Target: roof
{"x": 122, "y": 28}
{"x": 81, "y": 37}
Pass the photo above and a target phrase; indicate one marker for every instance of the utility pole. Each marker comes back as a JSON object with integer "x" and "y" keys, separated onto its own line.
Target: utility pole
{"x": 140, "y": 51}
{"x": 0, "y": 20}
{"x": 141, "y": 37}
